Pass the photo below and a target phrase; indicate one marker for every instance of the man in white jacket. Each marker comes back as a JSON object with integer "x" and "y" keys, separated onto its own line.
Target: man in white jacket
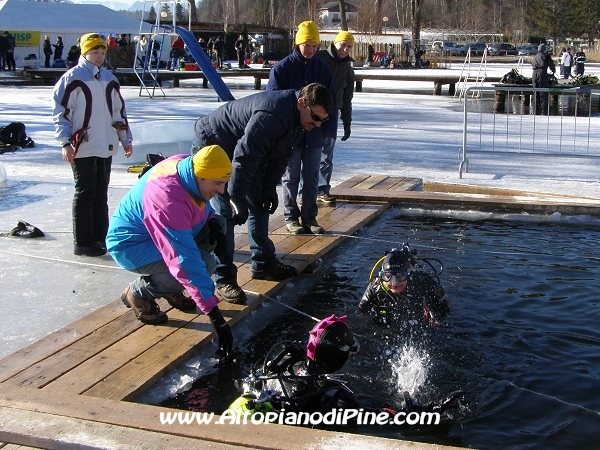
{"x": 89, "y": 120}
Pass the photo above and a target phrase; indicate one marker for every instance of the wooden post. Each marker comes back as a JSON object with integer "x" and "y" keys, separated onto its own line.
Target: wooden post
{"x": 175, "y": 82}
{"x": 257, "y": 83}
{"x": 358, "y": 85}
{"x": 204, "y": 82}
{"x": 500, "y": 102}
{"x": 451, "y": 89}
{"x": 437, "y": 88}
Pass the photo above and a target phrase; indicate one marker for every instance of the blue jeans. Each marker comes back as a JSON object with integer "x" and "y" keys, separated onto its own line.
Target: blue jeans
{"x": 262, "y": 248}
{"x": 326, "y": 168}
{"x": 304, "y": 162}
{"x": 156, "y": 280}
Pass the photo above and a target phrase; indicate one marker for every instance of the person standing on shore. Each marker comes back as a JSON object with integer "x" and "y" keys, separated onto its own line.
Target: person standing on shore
{"x": 294, "y": 72}
{"x": 337, "y": 57}
{"x": 542, "y": 61}
{"x": 580, "y": 62}
{"x": 90, "y": 120}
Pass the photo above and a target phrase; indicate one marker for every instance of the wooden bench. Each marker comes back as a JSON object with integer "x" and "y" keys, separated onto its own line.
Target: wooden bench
{"x": 128, "y": 76}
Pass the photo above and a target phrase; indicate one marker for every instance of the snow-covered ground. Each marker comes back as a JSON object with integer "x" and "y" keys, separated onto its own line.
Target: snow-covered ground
{"x": 399, "y": 129}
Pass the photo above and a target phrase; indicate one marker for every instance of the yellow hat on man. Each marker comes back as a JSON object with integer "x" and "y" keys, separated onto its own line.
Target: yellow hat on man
{"x": 90, "y": 41}
{"x": 308, "y": 33}
{"x": 211, "y": 162}
{"x": 344, "y": 36}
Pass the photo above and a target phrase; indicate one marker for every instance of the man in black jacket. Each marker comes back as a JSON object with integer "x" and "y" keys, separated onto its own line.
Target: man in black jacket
{"x": 4, "y": 44}
{"x": 542, "y": 61}
{"x": 10, "y": 53}
{"x": 258, "y": 133}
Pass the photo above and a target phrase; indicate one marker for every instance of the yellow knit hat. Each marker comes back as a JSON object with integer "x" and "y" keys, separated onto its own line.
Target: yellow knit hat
{"x": 90, "y": 41}
{"x": 211, "y": 162}
{"x": 308, "y": 33}
{"x": 344, "y": 36}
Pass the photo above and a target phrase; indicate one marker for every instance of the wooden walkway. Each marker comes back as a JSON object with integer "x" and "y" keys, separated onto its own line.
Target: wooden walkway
{"x": 110, "y": 355}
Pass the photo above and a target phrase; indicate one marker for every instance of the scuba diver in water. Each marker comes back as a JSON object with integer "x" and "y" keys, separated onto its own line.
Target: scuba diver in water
{"x": 402, "y": 292}
{"x": 298, "y": 378}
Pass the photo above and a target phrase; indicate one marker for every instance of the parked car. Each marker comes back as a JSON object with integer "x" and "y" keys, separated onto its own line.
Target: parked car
{"x": 476, "y": 48}
{"x": 447, "y": 48}
{"x": 501, "y": 49}
{"x": 527, "y": 50}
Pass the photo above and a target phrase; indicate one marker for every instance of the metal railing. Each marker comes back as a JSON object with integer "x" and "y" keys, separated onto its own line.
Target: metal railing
{"x": 565, "y": 128}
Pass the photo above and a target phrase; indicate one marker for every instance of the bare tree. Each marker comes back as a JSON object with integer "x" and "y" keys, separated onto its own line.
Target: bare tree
{"x": 343, "y": 15}
{"x": 193, "y": 11}
{"x": 416, "y": 23}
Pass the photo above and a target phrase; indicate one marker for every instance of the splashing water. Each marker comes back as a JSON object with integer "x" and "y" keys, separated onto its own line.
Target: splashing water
{"x": 409, "y": 368}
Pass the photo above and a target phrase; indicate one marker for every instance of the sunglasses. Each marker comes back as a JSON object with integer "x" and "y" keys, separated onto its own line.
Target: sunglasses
{"x": 315, "y": 117}
{"x": 387, "y": 276}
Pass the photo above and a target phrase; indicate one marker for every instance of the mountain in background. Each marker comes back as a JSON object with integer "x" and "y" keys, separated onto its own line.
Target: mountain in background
{"x": 117, "y": 6}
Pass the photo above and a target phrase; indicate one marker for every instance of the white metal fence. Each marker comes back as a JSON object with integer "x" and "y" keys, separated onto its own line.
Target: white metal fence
{"x": 568, "y": 127}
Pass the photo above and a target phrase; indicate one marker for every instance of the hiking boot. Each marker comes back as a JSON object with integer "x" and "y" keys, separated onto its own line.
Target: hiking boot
{"x": 313, "y": 227}
{"x": 180, "y": 301}
{"x": 146, "y": 310}
{"x": 294, "y": 227}
{"x": 231, "y": 292}
{"x": 325, "y": 200}
{"x": 276, "y": 270}
{"x": 92, "y": 250}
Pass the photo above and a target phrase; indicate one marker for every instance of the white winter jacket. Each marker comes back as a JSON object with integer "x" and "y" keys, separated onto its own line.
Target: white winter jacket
{"x": 88, "y": 96}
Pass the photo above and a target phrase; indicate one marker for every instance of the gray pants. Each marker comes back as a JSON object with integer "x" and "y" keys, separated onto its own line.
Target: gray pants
{"x": 155, "y": 280}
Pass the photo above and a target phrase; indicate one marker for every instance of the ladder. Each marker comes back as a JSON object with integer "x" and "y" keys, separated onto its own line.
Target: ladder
{"x": 465, "y": 76}
{"x": 147, "y": 63}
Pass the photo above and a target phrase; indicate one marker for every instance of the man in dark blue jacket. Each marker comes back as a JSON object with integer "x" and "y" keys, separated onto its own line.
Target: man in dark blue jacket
{"x": 294, "y": 72}
{"x": 258, "y": 133}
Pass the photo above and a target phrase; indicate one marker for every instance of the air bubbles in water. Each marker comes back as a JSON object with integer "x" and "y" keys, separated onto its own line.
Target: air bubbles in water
{"x": 410, "y": 367}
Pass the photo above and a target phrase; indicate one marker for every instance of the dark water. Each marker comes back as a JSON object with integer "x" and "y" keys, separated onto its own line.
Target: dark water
{"x": 522, "y": 339}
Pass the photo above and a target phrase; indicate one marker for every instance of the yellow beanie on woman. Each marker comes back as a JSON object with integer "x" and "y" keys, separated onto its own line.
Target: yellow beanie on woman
{"x": 308, "y": 33}
{"x": 90, "y": 41}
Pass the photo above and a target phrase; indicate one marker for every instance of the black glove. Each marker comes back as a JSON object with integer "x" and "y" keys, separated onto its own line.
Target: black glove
{"x": 347, "y": 132}
{"x": 216, "y": 235}
{"x": 239, "y": 210}
{"x": 225, "y": 338}
{"x": 270, "y": 200}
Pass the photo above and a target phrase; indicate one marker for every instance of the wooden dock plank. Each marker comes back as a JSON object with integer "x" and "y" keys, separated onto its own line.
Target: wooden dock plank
{"x": 47, "y": 370}
{"x": 407, "y": 184}
{"x": 532, "y": 204}
{"x": 56, "y": 341}
{"x": 356, "y": 179}
{"x": 368, "y": 183}
{"x": 389, "y": 183}
{"x": 89, "y": 412}
{"x": 102, "y": 364}
{"x": 133, "y": 378}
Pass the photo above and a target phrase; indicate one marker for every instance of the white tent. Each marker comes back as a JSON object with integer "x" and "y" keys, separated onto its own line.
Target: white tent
{"x": 29, "y": 22}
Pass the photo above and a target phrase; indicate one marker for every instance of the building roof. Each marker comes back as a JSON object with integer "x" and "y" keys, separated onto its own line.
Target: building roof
{"x": 50, "y": 17}
{"x": 335, "y": 7}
